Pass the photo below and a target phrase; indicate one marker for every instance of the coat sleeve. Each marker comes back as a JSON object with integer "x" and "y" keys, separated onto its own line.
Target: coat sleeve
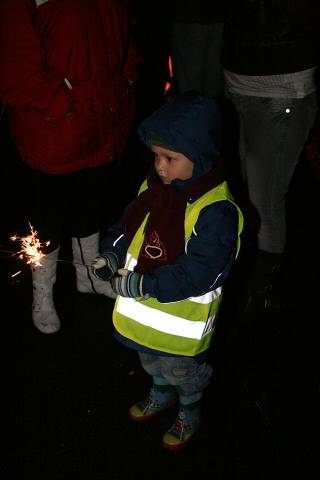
{"x": 115, "y": 241}
{"x": 208, "y": 258}
{"x": 24, "y": 81}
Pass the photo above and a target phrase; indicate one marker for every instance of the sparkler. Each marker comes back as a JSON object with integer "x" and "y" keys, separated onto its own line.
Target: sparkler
{"x": 31, "y": 250}
{"x": 31, "y": 247}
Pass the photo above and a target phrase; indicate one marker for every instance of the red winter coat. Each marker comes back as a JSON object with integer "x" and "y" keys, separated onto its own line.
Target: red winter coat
{"x": 65, "y": 66}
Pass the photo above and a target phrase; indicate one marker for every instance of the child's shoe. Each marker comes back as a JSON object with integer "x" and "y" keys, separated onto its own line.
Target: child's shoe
{"x": 185, "y": 426}
{"x": 159, "y": 399}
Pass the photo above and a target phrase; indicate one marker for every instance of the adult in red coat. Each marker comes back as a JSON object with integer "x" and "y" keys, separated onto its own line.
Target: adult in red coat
{"x": 68, "y": 67}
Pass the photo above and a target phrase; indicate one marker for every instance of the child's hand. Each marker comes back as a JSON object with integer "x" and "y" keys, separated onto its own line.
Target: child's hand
{"x": 127, "y": 284}
{"x": 123, "y": 272}
{"x": 105, "y": 266}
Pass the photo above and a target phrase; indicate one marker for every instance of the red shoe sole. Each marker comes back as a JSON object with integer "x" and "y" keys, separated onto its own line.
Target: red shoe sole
{"x": 145, "y": 418}
{"x": 178, "y": 447}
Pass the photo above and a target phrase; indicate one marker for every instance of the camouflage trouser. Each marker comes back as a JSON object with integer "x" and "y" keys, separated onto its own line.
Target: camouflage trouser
{"x": 185, "y": 373}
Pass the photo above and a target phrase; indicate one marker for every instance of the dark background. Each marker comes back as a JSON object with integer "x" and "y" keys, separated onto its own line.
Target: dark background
{"x": 66, "y": 396}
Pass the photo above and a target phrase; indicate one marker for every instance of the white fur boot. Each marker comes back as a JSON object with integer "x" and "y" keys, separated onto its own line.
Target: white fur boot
{"x": 44, "y": 314}
{"x": 85, "y": 250}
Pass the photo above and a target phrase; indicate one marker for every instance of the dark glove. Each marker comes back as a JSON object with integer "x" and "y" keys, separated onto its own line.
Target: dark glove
{"x": 105, "y": 266}
{"x": 127, "y": 284}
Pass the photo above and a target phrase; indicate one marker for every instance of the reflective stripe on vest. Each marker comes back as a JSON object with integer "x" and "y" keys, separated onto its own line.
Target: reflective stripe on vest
{"x": 184, "y": 327}
{"x": 164, "y": 321}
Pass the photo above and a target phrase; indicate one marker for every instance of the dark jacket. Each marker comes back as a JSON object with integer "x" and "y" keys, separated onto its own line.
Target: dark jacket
{"x": 270, "y": 37}
{"x": 65, "y": 66}
{"x": 194, "y": 130}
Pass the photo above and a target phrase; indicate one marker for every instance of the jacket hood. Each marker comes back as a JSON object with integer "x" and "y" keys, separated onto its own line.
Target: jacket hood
{"x": 190, "y": 124}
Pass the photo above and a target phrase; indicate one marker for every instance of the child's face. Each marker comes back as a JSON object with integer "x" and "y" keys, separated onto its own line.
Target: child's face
{"x": 171, "y": 165}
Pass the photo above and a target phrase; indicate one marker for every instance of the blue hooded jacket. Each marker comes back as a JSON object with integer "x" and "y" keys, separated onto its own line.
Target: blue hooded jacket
{"x": 190, "y": 124}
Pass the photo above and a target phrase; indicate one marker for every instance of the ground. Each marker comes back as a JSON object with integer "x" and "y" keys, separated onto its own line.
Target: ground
{"x": 67, "y": 395}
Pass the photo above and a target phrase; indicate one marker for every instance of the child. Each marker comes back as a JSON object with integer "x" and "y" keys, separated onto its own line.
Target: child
{"x": 177, "y": 243}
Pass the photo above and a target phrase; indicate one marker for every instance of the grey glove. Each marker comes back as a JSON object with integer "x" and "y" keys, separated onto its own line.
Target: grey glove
{"x": 129, "y": 284}
{"x": 105, "y": 266}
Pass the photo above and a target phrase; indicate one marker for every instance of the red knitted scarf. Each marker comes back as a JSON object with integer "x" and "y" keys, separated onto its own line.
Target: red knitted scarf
{"x": 164, "y": 232}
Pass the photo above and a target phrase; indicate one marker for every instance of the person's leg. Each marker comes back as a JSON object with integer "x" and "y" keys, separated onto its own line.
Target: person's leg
{"x": 45, "y": 206}
{"x": 188, "y": 49}
{"x": 161, "y": 396}
{"x": 272, "y": 136}
{"x": 190, "y": 379}
{"x": 91, "y": 208}
{"x": 213, "y": 81}
{"x": 45, "y": 213}
{"x": 274, "y": 132}
{"x": 44, "y": 315}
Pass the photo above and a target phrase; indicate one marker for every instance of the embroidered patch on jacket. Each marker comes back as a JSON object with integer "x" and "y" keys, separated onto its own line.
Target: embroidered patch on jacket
{"x": 154, "y": 248}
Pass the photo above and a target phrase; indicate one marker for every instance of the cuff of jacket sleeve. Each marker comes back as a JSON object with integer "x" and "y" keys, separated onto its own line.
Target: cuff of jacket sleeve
{"x": 146, "y": 286}
{"x": 107, "y": 254}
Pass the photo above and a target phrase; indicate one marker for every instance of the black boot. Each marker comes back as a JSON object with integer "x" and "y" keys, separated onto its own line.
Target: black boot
{"x": 262, "y": 289}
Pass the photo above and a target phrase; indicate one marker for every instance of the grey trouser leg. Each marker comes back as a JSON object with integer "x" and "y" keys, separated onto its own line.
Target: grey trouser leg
{"x": 185, "y": 373}
{"x": 273, "y": 132}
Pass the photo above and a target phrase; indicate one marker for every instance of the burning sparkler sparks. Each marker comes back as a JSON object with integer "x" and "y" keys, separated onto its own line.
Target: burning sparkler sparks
{"x": 31, "y": 250}
{"x": 30, "y": 247}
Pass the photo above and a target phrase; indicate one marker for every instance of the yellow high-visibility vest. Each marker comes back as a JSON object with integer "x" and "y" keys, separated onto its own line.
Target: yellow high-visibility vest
{"x": 184, "y": 327}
